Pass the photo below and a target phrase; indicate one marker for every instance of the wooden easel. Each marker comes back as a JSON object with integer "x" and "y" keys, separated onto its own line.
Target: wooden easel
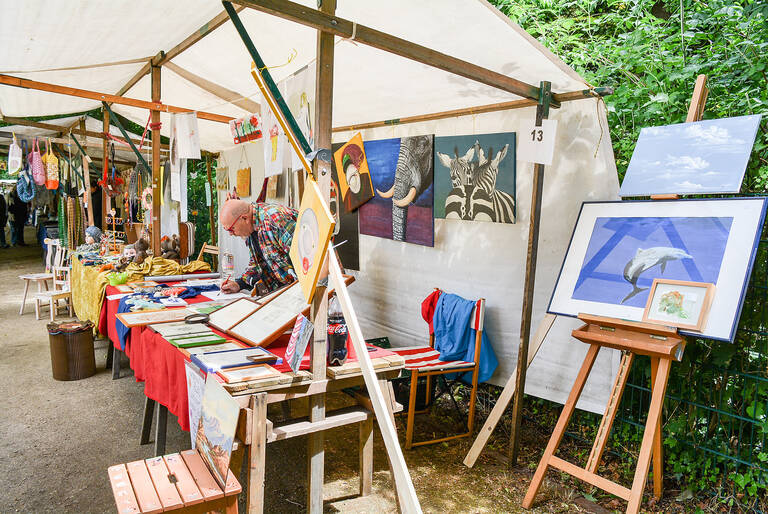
{"x": 663, "y": 345}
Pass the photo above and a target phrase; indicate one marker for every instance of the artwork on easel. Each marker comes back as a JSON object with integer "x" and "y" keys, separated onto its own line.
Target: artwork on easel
{"x": 314, "y": 227}
{"x": 475, "y": 177}
{"x": 345, "y": 233}
{"x": 619, "y": 248}
{"x": 402, "y": 173}
{"x": 702, "y": 157}
{"x": 354, "y": 180}
{"x": 215, "y": 431}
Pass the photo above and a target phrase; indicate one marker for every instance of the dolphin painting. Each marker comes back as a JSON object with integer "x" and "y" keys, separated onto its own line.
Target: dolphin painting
{"x": 647, "y": 259}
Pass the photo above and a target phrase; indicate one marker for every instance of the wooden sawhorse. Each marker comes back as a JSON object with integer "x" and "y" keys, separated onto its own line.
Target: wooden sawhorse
{"x": 662, "y": 345}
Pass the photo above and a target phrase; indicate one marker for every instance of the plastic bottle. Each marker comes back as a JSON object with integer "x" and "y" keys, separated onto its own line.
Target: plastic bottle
{"x": 337, "y": 334}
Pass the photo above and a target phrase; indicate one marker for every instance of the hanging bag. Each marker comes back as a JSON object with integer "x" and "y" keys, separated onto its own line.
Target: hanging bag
{"x": 51, "y": 167}
{"x": 36, "y": 164}
{"x": 24, "y": 187}
{"x": 14, "y": 157}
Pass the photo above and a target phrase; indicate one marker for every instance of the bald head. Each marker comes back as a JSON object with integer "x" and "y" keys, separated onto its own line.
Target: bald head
{"x": 235, "y": 213}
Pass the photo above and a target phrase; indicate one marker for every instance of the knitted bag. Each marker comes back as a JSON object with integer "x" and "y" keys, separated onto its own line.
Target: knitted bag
{"x": 51, "y": 167}
{"x": 36, "y": 164}
{"x": 24, "y": 187}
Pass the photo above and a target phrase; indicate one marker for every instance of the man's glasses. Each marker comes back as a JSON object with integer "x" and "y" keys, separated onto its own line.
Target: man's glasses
{"x": 232, "y": 226}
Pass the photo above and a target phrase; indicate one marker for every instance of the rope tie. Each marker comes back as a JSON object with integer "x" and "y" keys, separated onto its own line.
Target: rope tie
{"x": 351, "y": 38}
{"x": 294, "y": 54}
{"x": 598, "y": 99}
{"x": 156, "y": 126}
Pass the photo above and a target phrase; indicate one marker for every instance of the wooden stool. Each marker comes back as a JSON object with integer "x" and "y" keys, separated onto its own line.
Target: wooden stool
{"x": 178, "y": 482}
{"x": 662, "y": 345}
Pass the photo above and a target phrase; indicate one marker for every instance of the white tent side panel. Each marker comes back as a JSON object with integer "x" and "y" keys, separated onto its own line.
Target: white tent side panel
{"x": 475, "y": 259}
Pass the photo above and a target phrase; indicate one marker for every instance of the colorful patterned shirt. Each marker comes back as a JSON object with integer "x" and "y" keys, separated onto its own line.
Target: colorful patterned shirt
{"x": 269, "y": 246}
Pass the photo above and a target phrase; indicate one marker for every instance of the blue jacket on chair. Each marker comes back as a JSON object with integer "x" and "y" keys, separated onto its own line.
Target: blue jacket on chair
{"x": 455, "y": 337}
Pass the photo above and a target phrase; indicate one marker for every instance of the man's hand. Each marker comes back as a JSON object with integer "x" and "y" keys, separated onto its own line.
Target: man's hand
{"x": 230, "y": 286}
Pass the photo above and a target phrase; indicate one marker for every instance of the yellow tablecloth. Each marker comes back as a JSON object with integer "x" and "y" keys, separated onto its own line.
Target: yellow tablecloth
{"x": 88, "y": 285}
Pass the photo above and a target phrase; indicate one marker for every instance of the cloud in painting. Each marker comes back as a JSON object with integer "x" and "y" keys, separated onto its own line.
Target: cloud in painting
{"x": 686, "y": 162}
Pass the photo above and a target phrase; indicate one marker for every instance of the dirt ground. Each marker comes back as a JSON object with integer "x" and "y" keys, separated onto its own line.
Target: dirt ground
{"x": 58, "y": 438}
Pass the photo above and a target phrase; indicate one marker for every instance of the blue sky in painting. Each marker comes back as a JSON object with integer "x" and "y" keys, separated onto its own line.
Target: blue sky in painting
{"x": 615, "y": 242}
{"x": 382, "y": 161}
{"x": 689, "y": 158}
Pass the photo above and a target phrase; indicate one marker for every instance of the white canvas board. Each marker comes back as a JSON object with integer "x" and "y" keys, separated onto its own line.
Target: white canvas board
{"x": 178, "y": 328}
{"x": 698, "y": 240}
{"x": 216, "y": 361}
{"x": 218, "y": 347}
{"x": 195, "y": 389}
{"x": 703, "y": 157}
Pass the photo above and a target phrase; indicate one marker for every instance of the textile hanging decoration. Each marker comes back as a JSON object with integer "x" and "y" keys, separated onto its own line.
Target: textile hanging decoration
{"x": 244, "y": 177}
{"x": 36, "y": 164}
{"x": 146, "y": 199}
{"x": 51, "y": 167}
{"x": 222, "y": 175}
{"x": 62, "y": 218}
{"x": 14, "y": 157}
{"x": 187, "y": 135}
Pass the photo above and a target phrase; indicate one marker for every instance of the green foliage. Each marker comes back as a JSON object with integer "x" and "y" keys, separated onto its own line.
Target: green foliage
{"x": 197, "y": 183}
{"x": 716, "y": 426}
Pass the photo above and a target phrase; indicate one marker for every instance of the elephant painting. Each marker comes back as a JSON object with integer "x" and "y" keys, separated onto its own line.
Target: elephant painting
{"x": 402, "y": 171}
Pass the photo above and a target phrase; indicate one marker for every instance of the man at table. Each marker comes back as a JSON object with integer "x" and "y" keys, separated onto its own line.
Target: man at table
{"x": 268, "y": 232}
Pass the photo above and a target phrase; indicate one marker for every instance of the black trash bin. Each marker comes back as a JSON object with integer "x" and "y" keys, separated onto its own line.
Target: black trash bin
{"x": 72, "y": 356}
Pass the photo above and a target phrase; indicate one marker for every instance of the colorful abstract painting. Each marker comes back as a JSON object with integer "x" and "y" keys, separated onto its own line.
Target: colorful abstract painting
{"x": 354, "y": 181}
{"x": 346, "y": 233}
{"x": 475, "y": 177}
{"x": 216, "y": 428}
{"x": 402, "y": 171}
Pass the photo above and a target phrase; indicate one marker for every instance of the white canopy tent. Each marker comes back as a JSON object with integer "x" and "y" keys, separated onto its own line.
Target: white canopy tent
{"x": 100, "y": 46}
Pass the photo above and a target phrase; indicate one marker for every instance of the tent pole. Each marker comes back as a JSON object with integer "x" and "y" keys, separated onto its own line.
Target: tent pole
{"x": 105, "y": 200}
{"x": 155, "y": 125}
{"x": 542, "y": 112}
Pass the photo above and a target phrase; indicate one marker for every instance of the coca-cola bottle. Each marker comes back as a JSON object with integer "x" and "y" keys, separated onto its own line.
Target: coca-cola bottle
{"x": 337, "y": 334}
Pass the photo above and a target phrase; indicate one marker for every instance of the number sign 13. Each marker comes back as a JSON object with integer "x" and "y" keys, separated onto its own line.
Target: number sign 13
{"x": 537, "y": 144}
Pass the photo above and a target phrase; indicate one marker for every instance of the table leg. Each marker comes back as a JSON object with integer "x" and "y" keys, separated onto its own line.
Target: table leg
{"x": 366, "y": 456}
{"x": 146, "y": 426}
{"x": 24, "y": 298}
{"x": 162, "y": 422}
{"x": 257, "y": 453}
{"x": 116, "y": 354}
{"x": 658, "y": 388}
{"x": 315, "y": 456}
{"x": 110, "y": 354}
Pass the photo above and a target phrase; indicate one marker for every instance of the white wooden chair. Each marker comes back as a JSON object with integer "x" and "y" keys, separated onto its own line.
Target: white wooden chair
{"x": 61, "y": 291}
{"x": 42, "y": 279}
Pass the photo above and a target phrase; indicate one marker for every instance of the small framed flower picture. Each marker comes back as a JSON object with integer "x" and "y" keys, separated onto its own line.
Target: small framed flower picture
{"x": 679, "y": 303}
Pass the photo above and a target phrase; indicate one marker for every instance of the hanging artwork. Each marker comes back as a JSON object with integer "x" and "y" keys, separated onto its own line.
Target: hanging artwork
{"x": 222, "y": 175}
{"x": 247, "y": 128}
{"x": 619, "y": 248}
{"x": 345, "y": 233}
{"x": 314, "y": 227}
{"x": 274, "y": 143}
{"x": 216, "y": 428}
{"x": 188, "y": 136}
{"x": 354, "y": 181}
{"x": 475, "y": 177}
{"x": 691, "y": 158}
{"x": 300, "y": 97}
{"x": 402, "y": 173}
{"x": 243, "y": 183}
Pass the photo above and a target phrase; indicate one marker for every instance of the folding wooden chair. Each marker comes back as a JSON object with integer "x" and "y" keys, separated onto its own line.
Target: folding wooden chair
{"x": 424, "y": 361}
{"x": 209, "y": 249}
{"x": 61, "y": 291}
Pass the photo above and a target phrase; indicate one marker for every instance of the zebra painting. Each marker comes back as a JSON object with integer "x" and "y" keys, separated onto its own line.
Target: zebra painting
{"x": 479, "y": 184}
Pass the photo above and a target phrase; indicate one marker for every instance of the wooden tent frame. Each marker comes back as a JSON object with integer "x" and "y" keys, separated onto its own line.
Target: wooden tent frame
{"x": 328, "y": 26}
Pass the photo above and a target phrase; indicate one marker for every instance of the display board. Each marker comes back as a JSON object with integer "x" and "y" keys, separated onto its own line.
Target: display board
{"x": 232, "y": 314}
{"x": 618, "y": 248}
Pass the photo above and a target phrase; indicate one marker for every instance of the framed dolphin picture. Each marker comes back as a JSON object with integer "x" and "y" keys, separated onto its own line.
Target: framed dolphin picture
{"x": 618, "y": 248}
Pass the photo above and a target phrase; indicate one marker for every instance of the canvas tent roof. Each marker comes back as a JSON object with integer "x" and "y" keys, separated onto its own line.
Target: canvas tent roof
{"x": 43, "y": 39}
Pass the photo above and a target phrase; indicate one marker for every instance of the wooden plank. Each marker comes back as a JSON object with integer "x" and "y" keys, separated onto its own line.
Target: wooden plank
{"x": 166, "y": 491}
{"x": 185, "y": 484}
{"x": 339, "y": 418}
{"x": 122, "y": 490}
{"x": 542, "y": 112}
{"x": 562, "y": 423}
{"x": 636, "y": 326}
{"x": 156, "y": 186}
{"x": 658, "y": 449}
{"x": 232, "y": 487}
{"x": 403, "y": 483}
{"x": 506, "y": 395}
{"x": 104, "y": 97}
{"x": 593, "y": 334}
{"x": 135, "y": 79}
{"x": 329, "y": 24}
{"x": 202, "y": 476}
{"x": 659, "y": 388}
{"x": 228, "y": 95}
{"x": 365, "y": 456}
{"x": 604, "y": 429}
{"x": 257, "y": 454}
{"x": 143, "y": 487}
{"x": 698, "y": 100}
{"x": 590, "y": 478}
{"x": 105, "y": 200}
